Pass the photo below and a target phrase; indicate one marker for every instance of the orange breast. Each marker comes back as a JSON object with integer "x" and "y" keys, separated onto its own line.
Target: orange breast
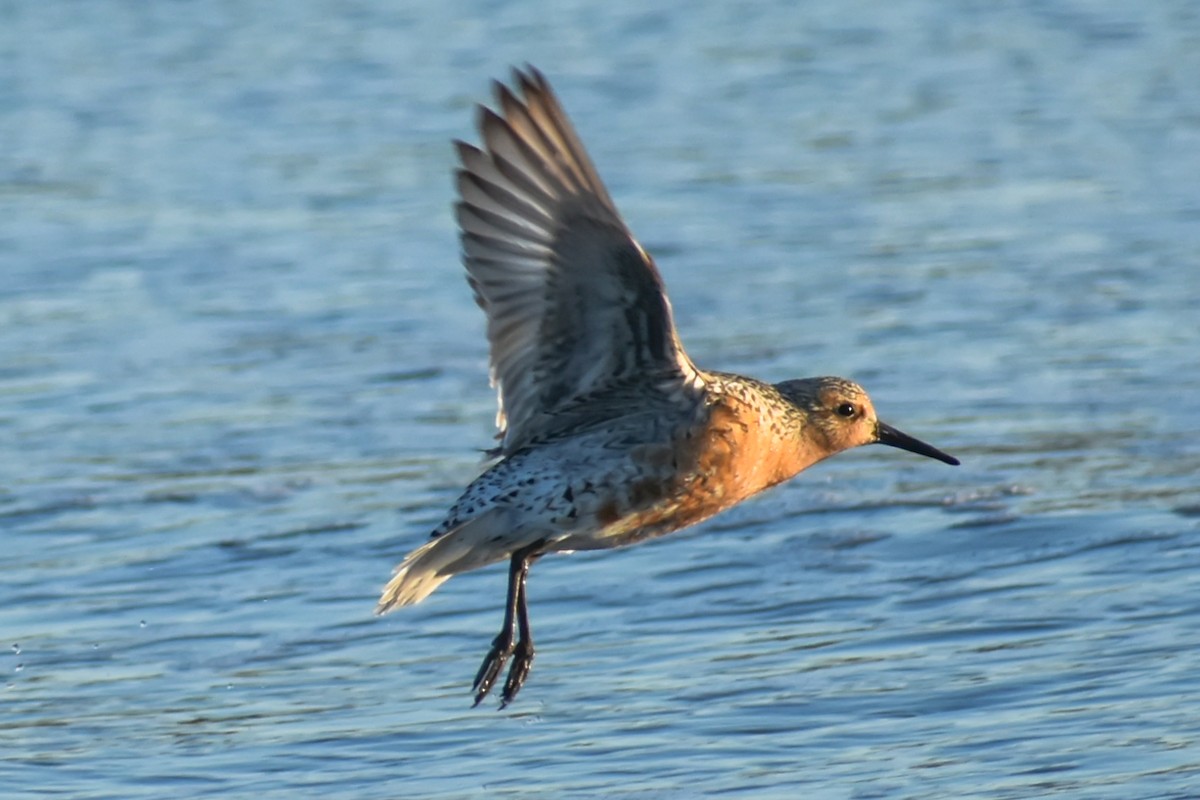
{"x": 734, "y": 450}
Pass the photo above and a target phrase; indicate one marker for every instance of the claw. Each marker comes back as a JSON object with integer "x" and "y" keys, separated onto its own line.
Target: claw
{"x": 493, "y": 662}
{"x": 522, "y": 662}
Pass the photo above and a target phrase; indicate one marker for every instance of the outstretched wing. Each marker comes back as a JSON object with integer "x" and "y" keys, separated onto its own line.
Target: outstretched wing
{"x": 573, "y": 303}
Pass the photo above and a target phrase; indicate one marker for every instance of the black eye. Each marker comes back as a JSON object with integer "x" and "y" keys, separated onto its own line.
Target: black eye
{"x": 846, "y": 410}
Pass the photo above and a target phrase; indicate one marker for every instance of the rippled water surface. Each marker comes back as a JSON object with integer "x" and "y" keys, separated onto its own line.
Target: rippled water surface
{"x": 240, "y": 376}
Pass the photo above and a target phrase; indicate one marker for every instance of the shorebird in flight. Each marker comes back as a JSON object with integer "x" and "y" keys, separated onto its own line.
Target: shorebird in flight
{"x": 609, "y": 434}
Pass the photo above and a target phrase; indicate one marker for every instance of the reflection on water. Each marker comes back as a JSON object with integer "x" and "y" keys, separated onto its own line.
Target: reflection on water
{"x": 240, "y": 375}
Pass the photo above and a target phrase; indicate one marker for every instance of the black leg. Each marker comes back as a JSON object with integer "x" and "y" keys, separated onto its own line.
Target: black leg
{"x": 523, "y": 653}
{"x": 502, "y": 645}
{"x": 515, "y": 614}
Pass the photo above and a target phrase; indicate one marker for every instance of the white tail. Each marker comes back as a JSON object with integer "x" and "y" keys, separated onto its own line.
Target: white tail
{"x": 475, "y": 543}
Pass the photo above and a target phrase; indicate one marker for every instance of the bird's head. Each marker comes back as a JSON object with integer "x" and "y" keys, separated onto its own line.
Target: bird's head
{"x": 838, "y": 414}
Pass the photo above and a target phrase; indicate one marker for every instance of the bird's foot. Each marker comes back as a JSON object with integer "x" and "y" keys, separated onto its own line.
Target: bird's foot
{"x": 522, "y": 663}
{"x": 493, "y": 662}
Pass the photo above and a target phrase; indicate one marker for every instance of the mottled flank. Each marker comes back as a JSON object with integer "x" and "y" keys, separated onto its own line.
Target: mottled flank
{"x": 609, "y": 434}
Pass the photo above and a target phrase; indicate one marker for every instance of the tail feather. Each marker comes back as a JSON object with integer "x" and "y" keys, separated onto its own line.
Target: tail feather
{"x": 469, "y": 546}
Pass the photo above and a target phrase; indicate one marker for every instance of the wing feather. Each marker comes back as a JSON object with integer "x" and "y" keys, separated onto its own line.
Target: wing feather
{"x": 574, "y": 304}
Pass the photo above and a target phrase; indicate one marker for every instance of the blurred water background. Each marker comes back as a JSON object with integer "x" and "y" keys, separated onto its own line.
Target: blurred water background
{"x": 241, "y": 375}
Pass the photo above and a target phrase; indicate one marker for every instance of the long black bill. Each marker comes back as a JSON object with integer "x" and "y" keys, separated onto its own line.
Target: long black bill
{"x": 894, "y": 438}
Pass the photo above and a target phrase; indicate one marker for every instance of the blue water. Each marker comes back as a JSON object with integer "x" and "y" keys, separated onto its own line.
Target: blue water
{"x": 240, "y": 376}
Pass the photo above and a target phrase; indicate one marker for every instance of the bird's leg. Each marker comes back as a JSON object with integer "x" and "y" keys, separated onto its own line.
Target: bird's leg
{"x": 523, "y": 653}
{"x": 503, "y": 645}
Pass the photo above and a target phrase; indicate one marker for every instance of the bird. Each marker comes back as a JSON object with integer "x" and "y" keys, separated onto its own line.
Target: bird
{"x": 608, "y": 433}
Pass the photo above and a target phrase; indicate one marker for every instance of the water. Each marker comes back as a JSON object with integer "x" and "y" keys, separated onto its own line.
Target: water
{"x": 240, "y": 376}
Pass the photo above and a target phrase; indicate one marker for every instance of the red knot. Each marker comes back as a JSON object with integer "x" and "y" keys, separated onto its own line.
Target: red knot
{"x": 609, "y": 434}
